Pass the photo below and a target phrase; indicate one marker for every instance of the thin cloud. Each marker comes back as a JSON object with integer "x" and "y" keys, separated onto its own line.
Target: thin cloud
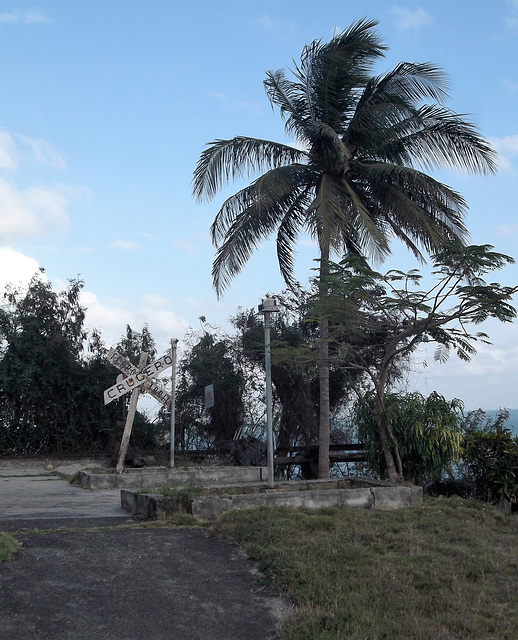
{"x": 38, "y": 150}
{"x": 124, "y": 245}
{"x": 509, "y": 85}
{"x": 23, "y": 17}
{"x": 8, "y": 151}
{"x": 512, "y": 21}
{"x": 411, "y": 18}
{"x": 43, "y": 152}
{"x": 506, "y": 148}
{"x": 217, "y": 95}
{"x": 253, "y": 108}
{"x": 507, "y": 230}
{"x": 266, "y": 22}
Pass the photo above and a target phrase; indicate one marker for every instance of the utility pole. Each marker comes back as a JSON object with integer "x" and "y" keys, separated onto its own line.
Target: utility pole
{"x": 267, "y": 307}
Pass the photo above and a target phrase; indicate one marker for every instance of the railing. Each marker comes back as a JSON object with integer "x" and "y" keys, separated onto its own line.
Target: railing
{"x": 351, "y": 452}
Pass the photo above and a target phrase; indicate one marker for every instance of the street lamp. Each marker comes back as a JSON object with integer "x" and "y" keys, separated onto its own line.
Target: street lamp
{"x": 267, "y": 307}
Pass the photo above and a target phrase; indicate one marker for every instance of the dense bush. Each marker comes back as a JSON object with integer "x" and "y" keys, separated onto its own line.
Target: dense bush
{"x": 427, "y": 431}
{"x": 490, "y": 458}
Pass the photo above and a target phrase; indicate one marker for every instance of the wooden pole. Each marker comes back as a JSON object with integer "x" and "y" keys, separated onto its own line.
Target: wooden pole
{"x": 129, "y": 418}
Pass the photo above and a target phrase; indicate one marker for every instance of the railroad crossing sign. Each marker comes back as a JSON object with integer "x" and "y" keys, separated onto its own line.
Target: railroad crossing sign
{"x": 137, "y": 377}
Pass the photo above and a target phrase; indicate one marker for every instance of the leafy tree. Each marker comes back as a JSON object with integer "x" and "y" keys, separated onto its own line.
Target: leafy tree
{"x": 40, "y": 371}
{"x": 209, "y": 361}
{"x": 50, "y": 390}
{"x": 353, "y": 180}
{"x": 427, "y": 430}
{"x": 133, "y": 343}
{"x": 294, "y": 380}
{"x": 385, "y": 317}
{"x": 490, "y": 456}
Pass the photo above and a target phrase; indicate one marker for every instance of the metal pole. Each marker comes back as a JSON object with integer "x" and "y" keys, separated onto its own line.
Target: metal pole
{"x": 174, "y": 344}
{"x": 269, "y": 417}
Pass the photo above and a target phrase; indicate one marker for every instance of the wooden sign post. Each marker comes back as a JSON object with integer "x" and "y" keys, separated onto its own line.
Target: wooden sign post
{"x": 138, "y": 378}
{"x": 129, "y": 419}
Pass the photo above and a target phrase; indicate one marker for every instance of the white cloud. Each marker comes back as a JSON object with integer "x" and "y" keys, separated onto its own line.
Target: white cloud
{"x": 124, "y": 245}
{"x": 489, "y": 378}
{"x": 33, "y": 212}
{"x": 506, "y": 147}
{"x": 43, "y": 152}
{"x": 411, "y": 18}
{"x": 151, "y": 310}
{"x": 40, "y": 151}
{"x": 15, "y": 268}
{"x": 7, "y": 151}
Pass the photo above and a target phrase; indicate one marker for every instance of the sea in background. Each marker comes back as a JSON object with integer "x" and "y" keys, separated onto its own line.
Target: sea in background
{"x": 512, "y": 421}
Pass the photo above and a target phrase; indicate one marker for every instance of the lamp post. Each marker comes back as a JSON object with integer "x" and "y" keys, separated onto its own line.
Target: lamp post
{"x": 174, "y": 344}
{"x": 267, "y": 307}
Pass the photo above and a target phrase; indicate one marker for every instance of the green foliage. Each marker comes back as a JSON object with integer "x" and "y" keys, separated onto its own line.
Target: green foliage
{"x": 51, "y": 392}
{"x": 427, "y": 430}
{"x": 490, "y": 456}
{"x": 8, "y": 545}
{"x": 209, "y": 360}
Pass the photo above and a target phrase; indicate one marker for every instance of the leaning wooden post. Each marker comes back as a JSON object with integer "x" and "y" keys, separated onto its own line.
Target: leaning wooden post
{"x": 129, "y": 418}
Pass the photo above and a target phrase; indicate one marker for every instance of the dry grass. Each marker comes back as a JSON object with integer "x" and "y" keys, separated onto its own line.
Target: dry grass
{"x": 446, "y": 570}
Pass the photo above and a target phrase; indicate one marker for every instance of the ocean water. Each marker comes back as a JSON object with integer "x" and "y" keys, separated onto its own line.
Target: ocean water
{"x": 512, "y": 421}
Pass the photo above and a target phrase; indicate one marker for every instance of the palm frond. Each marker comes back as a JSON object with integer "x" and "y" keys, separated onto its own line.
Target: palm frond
{"x": 225, "y": 160}
{"x": 273, "y": 187}
{"x": 434, "y": 136}
{"x": 276, "y": 200}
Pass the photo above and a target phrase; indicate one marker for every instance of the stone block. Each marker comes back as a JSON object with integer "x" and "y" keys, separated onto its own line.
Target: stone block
{"x": 394, "y": 497}
{"x": 210, "y": 508}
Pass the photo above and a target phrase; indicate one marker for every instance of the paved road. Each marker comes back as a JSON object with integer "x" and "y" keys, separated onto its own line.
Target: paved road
{"x": 118, "y": 583}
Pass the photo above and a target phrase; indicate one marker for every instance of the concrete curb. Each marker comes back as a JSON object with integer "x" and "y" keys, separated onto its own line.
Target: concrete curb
{"x": 159, "y": 507}
{"x": 155, "y": 477}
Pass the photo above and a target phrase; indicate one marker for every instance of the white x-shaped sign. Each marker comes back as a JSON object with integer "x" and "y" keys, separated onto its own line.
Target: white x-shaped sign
{"x": 138, "y": 377}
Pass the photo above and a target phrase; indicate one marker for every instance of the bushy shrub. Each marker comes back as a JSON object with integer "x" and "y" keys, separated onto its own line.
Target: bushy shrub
{"x": 427, "y": 431}
{"x": 490, "y": 457}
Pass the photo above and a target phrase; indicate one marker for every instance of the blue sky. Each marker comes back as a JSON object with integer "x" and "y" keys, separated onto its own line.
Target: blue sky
{"x": 106, "y": 105}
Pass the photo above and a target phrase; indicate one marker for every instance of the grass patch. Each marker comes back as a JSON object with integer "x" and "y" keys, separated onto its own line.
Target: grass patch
{"x": 446, "y": 569}
{"x": 8, "y": 545}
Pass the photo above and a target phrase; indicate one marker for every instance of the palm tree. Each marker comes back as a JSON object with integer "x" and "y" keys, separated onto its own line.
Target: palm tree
{"x": 356, "y": 177}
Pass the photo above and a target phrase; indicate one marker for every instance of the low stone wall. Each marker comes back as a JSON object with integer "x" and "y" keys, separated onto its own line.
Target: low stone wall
{"x": 158, "y": 476}
{"x": 372, "y": 496}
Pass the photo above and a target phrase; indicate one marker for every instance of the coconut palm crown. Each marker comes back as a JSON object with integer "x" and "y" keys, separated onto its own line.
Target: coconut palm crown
{"x": 356, "y": 177}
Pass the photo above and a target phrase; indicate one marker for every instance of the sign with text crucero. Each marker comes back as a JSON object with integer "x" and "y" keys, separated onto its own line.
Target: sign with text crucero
{"x": 138, "y": 377}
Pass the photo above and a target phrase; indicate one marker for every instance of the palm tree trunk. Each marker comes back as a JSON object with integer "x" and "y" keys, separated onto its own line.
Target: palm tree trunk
{"x": 323, "y": 373}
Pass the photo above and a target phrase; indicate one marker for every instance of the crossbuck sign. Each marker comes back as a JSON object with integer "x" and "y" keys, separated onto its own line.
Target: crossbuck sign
{"x": 138, "y": 377}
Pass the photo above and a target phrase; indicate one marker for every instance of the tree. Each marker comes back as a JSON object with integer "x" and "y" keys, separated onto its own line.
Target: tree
{"x": 427, "y": 430}
{"x": 385, "y": 317}
{"x": 295, "y": 381}
{"x": 209, "y": 361}
{"x": 40, "y": 368}
{"x": 353, "y": 180}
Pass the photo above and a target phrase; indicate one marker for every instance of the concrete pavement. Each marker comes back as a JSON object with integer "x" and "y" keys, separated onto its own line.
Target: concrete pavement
{"x": 119, "y": 583}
